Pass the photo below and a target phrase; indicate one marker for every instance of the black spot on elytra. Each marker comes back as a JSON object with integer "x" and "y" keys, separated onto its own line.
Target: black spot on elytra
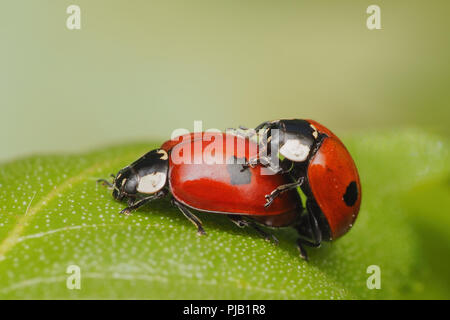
{"x": 351, "y": 194}
{"x": 237, "y": 175}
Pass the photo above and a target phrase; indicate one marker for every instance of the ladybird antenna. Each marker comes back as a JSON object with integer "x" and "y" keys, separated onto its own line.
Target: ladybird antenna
{"x": 105, "y": 183}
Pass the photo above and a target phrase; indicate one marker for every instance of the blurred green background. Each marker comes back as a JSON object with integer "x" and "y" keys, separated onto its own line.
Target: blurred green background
{"x": 139, "y": 69}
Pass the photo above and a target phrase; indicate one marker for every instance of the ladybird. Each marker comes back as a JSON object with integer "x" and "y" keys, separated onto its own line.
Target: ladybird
{"x": 224, "y": 186}
{"x": 321, "y": 166}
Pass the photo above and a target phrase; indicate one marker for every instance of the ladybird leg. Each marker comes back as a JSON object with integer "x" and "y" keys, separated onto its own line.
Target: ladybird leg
{"x": 264, "y": 234}
{"x": 301, "y": 249}
{"x": 283, "y": 188}
{"x": 316, "y": 240}
{"x": 262, "y": 125}
{"x": 238, "y": 220}
{"x": 263, "y": 161}
{"x": 311, "y": 244}
{"x": 316, "y": 233}
{"x": 308, "y": 230}
{"x": 190, "y": 216}
{"x": 241, "y": 223}
{"x": 242, "y": 132}
{"x": 131, "y": 201}
{"x": 251, "y": 163}
{"x": 267, "y": 162}
{"x": 136, "y": 204}
{"x": 248, "y": 132}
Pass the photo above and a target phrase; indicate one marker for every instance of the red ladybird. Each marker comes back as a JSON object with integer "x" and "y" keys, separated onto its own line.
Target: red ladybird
{"x": 207, "y": 172}
{"x": 322, "y": 167}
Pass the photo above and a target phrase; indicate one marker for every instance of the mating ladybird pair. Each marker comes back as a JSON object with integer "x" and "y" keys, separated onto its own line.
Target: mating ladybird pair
{"x": 310, "y": 157}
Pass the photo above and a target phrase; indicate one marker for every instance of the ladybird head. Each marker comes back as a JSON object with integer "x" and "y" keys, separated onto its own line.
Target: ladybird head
{"x": 125, "y": 183}
{"x": 296, "y": 138}
{"x": 332, "y": 181}
{"x": 147, "y": 175}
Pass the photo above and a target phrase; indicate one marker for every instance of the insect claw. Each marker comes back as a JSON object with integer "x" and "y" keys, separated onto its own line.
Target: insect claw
{"x": 126, "y": 211}
{"x": 267, "y": 204}
{"x": 271, "y": 238}
{"x": 201, "y": 232}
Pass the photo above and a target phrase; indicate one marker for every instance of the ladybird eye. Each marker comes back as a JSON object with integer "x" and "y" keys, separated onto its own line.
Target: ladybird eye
{"x": 351, "y": 194}
{"x": 294, "y": 150}
{"x": 130, "y": 186}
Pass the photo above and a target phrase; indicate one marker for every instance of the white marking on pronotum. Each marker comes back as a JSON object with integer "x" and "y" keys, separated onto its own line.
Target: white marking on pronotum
{"x": 294, "y": 150}
{"x": 315, "y": 133}
{"x": 29, "y": 204}
{"x": 164, "y": 156}
{"x": 151, "y": 183}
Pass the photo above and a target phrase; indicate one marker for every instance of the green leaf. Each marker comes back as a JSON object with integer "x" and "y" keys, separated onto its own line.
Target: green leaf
{"x": 53, "y": 215}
